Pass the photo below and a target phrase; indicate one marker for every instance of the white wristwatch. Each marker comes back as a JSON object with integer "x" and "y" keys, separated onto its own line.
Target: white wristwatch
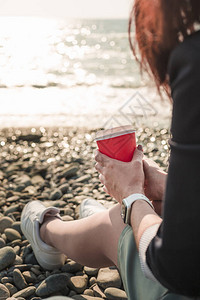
{"x": 127, "y": 203}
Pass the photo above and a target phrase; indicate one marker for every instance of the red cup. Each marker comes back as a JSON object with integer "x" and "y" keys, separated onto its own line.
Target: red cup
{"x": 118, "y": 143}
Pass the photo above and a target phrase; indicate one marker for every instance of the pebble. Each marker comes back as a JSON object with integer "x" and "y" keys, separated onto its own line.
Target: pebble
{"x": 64, "y": 188}
{"x": 4, "y": 292}
{"x": 109, "y": 277}
{"x": 5, "y": 222}
{"x": 69, "y": 171}
{"x": 71, "y": 267}
{"x": 27, "y": 292}
{"x": 36, "y": 271}
{"x": 56, "y": 194}
{"x": 30, "y": 259}
{"x": 11, "y": 209}
{"x": 89, "y": 292}
{"x": 12, "y": 289}
{"x": 98, "y": 292}
{"x": 91, "y": 271}
{"x": 83, "y": 178}
{"x": 19, "y": 279}
{"x": 7, "y": 257}
{"x": 2, "y": 243}
{"x": 18, "y": 260}
{"x": 7, "y": 279}
{"x": 29, "y": 276}
{"x": 92, "y": 281}
{"x": 17, "y": 226}
{"x": 115, "y": 294}
{"x": 37, "y": 180}
{"x": 67, "y": 218}
{"x": 52, "y": 284}
{"x": 12, "y": 234}
{"x": 86, "y": 297}
{"x": 78, "y": 283}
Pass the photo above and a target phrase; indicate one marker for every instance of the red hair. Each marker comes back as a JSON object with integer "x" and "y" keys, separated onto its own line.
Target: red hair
{"x": 159, "y": 26}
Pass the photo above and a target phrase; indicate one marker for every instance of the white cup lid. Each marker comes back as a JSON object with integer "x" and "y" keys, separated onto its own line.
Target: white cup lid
{"x": 113, "y": 132}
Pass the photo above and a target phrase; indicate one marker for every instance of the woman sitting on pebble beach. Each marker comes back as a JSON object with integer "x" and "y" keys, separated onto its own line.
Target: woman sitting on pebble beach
{"x": 156, "y": 256}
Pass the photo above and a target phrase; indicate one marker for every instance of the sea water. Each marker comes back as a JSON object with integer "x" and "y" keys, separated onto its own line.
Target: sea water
{"x": 72, "y": 73}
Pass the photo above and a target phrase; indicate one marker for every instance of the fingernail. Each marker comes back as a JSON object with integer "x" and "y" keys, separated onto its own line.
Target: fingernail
{"x": 140, "y": 147}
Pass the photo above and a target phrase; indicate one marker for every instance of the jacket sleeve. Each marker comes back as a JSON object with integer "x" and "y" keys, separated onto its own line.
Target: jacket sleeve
{"x": 173, "y": 255}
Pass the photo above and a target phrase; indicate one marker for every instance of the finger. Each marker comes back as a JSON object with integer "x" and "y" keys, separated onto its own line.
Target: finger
{"x": 138, "y": 155}
{"x": 99, "y": 168}
{"x": 102, "y": 179}
{"x": 101, "y": 158}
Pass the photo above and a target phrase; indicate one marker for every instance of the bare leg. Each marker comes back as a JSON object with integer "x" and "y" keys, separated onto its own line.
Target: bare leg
{"x": 92, "y": 241}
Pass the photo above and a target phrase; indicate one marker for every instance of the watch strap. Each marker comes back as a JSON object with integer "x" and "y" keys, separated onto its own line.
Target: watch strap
{"x": 134, "y": 197}
{"x": 127, "y": 202}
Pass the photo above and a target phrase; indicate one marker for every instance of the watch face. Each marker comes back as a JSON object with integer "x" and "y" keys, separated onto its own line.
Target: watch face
{"x": 123, "y": 211}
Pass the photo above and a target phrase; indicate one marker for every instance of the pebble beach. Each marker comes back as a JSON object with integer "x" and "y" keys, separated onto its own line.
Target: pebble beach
{"x": 55, "y": 166}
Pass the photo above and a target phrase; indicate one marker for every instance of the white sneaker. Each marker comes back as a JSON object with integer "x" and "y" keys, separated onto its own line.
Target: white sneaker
{"x": 89, "y": 207}
{"x": 32, "y": 216}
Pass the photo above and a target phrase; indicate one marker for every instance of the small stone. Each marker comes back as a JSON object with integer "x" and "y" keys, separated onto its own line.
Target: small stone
{"x": 12, "y": 199}
{"x": 68, "y": 211}
{"x": 31, "y": 190}
{"x": 7, "y": 257}
{"x": 12, "y": 209}
{"x": 82, "y": 297}
{"x": 17, "y": 249}
{"x": 89, "y": 292}
{"x": 30, "y": 137}
{"x": 30, "y": 259}
{"x": 108, "y": 277}
{"x": 64, "y": 188}
{"x": 97, "y": 291}
{"x": 12, "y": 168}
{"x": 5, "y": 222}
{"x": 92, "y": 281}
{"x": 78, "y": 283}
{"x": 69, "y": 171}
{"x": 67, "y": 218}
{"x": 23, "y": 180}
{"x": 91, "y": 271}
{"x": 115, "y": 294}
{"x": 72, "y": 294}
{"x": 22, "y": 268}
{"x": 2, "y": 243}
{"x": 12, "y": 234}
{"x": 4, "y": 237}
{"x": 36, "y": 271}
{"x": 19, "y": 279}
{"x": 12, "y": 289}
{"x": 7, "y": 279}
{"x": 56, "y": 194}
{"x": 2, "y": 194}
{"x": 37, "y": 180}
{"x": 71, "y": 267}
{"x": 52, "y": 284}
{"x": 18, "y": 260}
{"x": 29, "y": 276}
{"x": 27, "y": 292}
{"x": 17, "y": 226}
{"x": 4, "y": 292}
{"x": 83, "y": 178}
{"x": 67, "y": 197}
